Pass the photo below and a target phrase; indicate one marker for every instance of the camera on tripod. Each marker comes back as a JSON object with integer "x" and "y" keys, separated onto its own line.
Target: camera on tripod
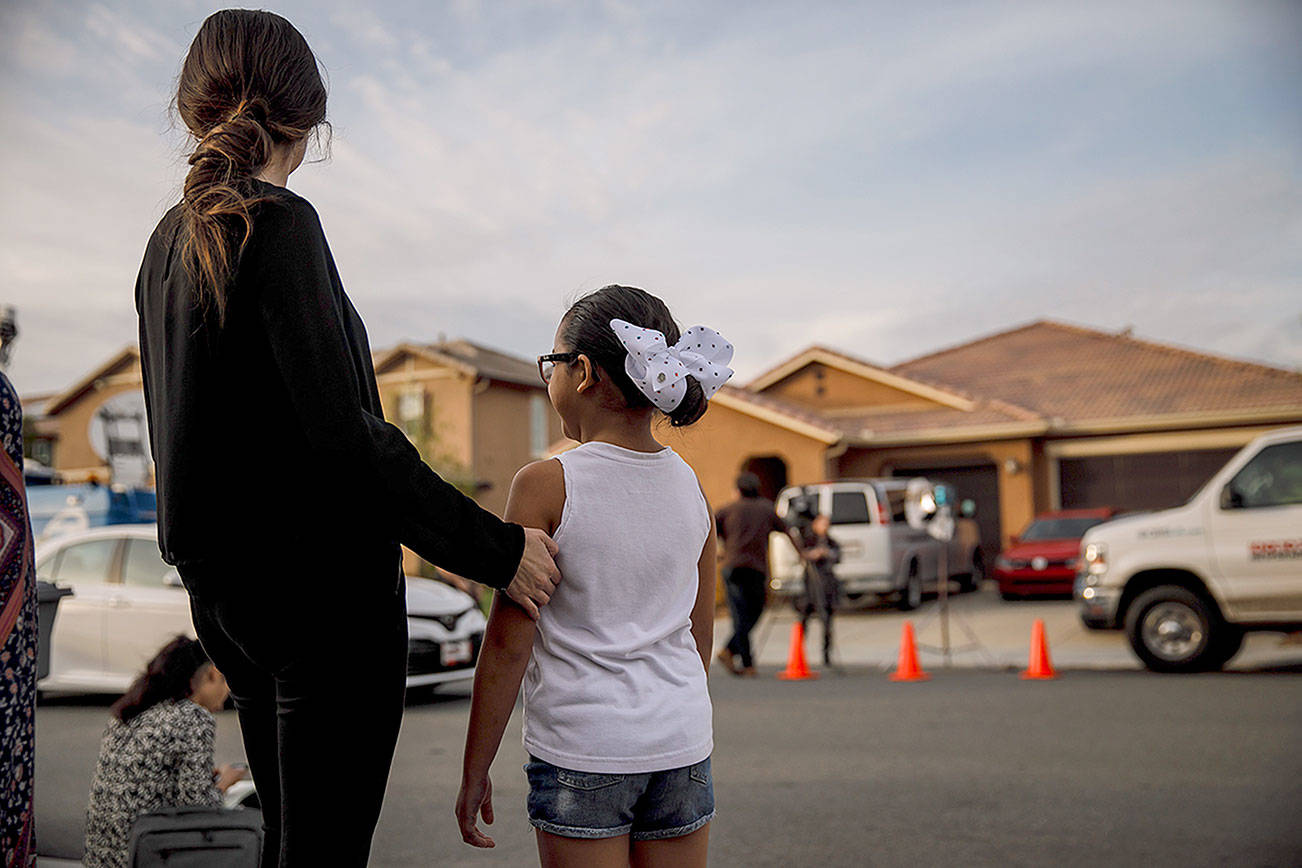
{"x": 802, "y": 509}
{"x": 929, "y": 506}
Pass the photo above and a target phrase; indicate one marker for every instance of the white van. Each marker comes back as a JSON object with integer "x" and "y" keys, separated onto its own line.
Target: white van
{"x": 880, "y": 553}
{"x": 1187, "y": 583}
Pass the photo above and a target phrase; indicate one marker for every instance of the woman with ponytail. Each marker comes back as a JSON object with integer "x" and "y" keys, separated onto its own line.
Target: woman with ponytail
{"x": 158, "y": 749}
{"x": 254, "y": 357}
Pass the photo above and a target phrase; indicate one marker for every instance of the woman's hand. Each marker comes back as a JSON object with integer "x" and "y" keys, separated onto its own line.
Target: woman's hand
{"x": 474, "y": 798}
{"x": 227, "y": 775}
{"x": 537, "y": 576}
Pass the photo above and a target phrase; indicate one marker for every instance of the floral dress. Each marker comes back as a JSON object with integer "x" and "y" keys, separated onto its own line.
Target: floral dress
{"x": 17, "y": 643}
{"x": 163, "y": 758}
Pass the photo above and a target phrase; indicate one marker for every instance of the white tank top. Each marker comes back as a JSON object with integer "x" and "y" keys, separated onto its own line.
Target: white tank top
{"x": 615, "y": 683}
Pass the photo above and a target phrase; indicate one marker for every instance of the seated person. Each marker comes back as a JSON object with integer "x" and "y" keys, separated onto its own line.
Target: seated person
{"x": 157, "y": 751}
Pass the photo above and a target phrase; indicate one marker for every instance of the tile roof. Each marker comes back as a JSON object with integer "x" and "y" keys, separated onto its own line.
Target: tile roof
{"x": 1071, "y": 374}
{"x": 125, "y": 356}
{"x": 491, "y": 363}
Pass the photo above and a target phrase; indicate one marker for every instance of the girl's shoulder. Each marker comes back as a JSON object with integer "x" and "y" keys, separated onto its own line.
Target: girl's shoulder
{"x": 537, "y": 496}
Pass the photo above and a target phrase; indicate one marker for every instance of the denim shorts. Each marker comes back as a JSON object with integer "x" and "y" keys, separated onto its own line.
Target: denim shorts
{"x": 647, "y": 806}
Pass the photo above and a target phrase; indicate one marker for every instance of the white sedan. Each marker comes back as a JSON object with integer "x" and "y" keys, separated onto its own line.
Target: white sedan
{"x": 127, "y": 603}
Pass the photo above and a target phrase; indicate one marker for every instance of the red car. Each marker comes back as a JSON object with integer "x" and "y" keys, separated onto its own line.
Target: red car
{"x": 1042, "y": 559}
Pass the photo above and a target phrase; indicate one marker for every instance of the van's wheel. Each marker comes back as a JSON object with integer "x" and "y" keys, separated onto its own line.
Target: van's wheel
{"x": 1226, "y": 641}
{"x": 1172, "y": 629}
{"x": 911, "y": 596}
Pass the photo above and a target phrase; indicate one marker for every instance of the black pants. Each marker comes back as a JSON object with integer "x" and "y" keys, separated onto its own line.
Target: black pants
{"x": 821, "y": 596}
{"x": 745, "y": 603}
{"x": 317, "y": 668}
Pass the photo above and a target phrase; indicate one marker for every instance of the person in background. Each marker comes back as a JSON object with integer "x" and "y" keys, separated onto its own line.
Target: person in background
{"x": 744, "y": 528}
{"x": 17, "y": 643}
{"x": 157, "y": 751}
{"x": 822, "y": 587}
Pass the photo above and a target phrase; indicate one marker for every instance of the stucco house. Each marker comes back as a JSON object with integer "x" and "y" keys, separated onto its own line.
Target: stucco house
{"x": 1043, "y": 416}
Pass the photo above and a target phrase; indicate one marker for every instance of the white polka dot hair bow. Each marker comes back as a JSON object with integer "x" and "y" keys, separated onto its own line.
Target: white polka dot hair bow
{"x": 660, "y": 371}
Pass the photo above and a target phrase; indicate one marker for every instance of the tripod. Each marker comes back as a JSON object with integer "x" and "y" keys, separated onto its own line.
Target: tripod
{"x": 941, "y": 528}
{"x": 764, "y": 626}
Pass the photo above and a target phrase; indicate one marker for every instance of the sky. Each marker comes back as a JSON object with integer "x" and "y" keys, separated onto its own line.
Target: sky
{"x": 882, "y": 178}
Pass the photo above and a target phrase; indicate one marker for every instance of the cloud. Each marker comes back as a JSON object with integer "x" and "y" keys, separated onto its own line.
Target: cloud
{"x": 132, "y": 38}
{"x": 882, "y": 178}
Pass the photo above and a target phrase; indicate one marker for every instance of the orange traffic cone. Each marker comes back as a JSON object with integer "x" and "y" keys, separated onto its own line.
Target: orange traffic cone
{"x": 797, "y": 669}
{"x": 1040, "y": 668}
{"x": 908, "y": 668}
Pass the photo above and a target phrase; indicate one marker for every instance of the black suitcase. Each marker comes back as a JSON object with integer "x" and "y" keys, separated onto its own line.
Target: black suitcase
{"x": 197, "y": 837}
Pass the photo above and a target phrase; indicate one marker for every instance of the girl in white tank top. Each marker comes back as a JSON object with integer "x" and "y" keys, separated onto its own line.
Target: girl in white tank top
{"x": 617, "y": 717}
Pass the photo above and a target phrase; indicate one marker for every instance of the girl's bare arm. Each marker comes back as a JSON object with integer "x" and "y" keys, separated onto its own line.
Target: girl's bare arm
{"x": 536, "y": 499}
{"x": 703, "y": 611}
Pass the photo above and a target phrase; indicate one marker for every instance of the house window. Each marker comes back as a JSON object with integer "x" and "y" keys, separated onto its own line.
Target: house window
{"x": 411, "y": 412}
{"x": 42, "y": 450}
{"x": 538, "y": 427}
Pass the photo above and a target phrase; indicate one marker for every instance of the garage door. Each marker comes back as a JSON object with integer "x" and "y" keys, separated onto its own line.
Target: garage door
{"x": 1150, "y": 480}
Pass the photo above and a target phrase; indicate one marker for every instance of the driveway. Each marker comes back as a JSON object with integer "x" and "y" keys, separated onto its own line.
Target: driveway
{"x": 985, "y": 632}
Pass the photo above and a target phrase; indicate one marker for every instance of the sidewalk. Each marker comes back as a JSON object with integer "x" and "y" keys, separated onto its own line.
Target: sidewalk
{"x": 870, "y": 637}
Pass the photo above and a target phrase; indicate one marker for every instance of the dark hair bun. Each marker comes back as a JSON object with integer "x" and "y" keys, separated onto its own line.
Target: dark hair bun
{"x": 692, "y": 407}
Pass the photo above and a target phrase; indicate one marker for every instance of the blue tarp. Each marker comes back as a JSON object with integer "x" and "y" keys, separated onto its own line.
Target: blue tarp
{"x": 102, "y": 504}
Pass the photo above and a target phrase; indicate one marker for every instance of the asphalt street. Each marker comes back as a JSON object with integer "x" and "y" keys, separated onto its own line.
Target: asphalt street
{"x": 971, "y": 768}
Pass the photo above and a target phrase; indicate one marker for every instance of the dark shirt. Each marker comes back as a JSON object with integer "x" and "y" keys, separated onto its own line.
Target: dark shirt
{"x": 744, "y": 527}
{"x": 268, "y": 430}
{"x": 824, "y": 564}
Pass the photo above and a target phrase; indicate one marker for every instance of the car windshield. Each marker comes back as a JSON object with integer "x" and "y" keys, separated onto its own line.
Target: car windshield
{"x": 1059, "y": 528}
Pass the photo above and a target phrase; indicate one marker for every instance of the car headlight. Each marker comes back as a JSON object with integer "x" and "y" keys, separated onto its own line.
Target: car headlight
{"x": 1095, "y": 561}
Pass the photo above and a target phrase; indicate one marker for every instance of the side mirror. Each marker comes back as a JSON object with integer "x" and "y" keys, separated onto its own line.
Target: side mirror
{"x": 1231, "y": 498}
{"x": 172, "y": 579}
{"x": 968, "y": 508}
{"x": 1014, "y": 540}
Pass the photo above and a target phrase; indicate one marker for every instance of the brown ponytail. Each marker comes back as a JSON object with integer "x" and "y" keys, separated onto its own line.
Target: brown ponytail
{"x": 249, "y": 83}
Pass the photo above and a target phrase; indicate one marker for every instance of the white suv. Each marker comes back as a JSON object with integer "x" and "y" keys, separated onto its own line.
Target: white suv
{"x": 1187, "y": 583}
{"x": 880, "y": 553}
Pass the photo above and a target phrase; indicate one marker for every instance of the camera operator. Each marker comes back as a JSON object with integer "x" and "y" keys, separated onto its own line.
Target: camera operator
{"x": 822, "y": 588}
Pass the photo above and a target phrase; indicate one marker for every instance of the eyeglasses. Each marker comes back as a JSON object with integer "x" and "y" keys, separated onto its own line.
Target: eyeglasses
{"x": 547, "y": 363}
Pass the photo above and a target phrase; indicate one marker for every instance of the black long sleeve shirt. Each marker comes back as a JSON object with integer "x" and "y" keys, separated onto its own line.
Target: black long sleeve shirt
{"x": 268, "y": 430}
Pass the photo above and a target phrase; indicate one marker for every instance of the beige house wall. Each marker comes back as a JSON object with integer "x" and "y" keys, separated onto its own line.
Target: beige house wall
{"x": 1013, "y": 460}
{"x": 504, "y": 437}
{"x": 821, "y": 387}
{"x": 717, "y": 446}
{"x": 448, "y": 406}
{"x": 74, "y": 457}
